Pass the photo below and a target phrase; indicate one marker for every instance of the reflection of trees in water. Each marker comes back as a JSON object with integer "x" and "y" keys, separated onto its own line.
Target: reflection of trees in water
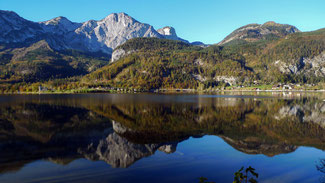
{"x": 244, "y": 120}
{"x": 62, "y": 134}
{"x": 63, "y": 130}
{"x": 320, "y": 166}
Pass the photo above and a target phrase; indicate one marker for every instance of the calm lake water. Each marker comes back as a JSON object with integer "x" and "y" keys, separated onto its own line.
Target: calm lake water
{"x": 161, "y": 138}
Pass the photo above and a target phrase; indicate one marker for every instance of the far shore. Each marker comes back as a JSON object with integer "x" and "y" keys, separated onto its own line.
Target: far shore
{"x": 171, "y": 91}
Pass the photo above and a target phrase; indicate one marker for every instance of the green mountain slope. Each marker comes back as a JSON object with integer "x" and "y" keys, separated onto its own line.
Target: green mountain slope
{"x": 155, "y": 63}
{"x": 38, "y": 62}
{"x": 152, "y": 63}
{"x": 279, "y": 54}
{"x": 297, "y": 58}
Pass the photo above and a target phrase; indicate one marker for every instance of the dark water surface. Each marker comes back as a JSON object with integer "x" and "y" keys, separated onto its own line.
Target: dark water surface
{"x": 161, "y": 138}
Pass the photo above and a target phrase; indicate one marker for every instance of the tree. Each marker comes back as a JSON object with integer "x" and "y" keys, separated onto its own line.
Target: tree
{"x": 245, "y": 177}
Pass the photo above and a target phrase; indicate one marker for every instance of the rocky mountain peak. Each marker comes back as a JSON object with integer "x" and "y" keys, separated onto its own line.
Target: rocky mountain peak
{"x": 285, "y": 28}
{"x": 255, "y": 32}
{"x": 59, "y": 25}
{"x": 8, "y": 14}
{"x": 91, "y": 36}
{"x": 106, "y": 34}
{"x": 118, "y": 21}
{"x": 118, "y": 17}
{"x": 11, "y": 19}
{"x": 167, "y": 31}
{"x": 57, "y": 20}
{"x": 15, "y": 29}
{"x": 271, "y": 23}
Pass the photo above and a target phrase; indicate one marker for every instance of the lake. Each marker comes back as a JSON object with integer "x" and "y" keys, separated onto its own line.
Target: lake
{"x": 161, "y": 137}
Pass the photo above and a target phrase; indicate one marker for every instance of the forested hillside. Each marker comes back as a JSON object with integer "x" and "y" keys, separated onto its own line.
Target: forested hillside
{"x": 39, "y": 62}
{"x": 275, "y": 54}
{"x": 156, "y": 63}
{"x": 150, "y": 63}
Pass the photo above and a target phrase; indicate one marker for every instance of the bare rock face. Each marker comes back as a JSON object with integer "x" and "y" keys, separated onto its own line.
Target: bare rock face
{"x": 227, "y": 79}
{"x": 170, "y": 33}
{"x": 15, "y": 29}
{"x": 255, "y": 32}
{"x": 120, "y": 53}
{"x": 60, "y": 25}
{"x": 91, "y": 36}
{"x": 110, "y": 32}
{"x": 314, "y": 66}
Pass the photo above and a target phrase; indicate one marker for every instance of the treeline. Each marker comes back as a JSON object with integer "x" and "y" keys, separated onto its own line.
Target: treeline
{"x": 52, "y": 85}
{"x": 146, "y": 44}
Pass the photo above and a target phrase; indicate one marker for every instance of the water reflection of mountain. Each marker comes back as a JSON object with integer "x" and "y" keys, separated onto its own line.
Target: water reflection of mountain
{"x": 123, "y": 129}
{"x": 119, "y": 152}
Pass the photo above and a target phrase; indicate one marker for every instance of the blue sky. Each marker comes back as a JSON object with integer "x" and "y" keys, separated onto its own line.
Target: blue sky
{"x": 195, "y": 20}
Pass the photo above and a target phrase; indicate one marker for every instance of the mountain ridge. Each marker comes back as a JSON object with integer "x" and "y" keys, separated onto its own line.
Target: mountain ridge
{"x": 148, "y": 63}
{"x": 254, "y": 32}
{"x": 144, "y": 58}
{"x": 91, "y": 36}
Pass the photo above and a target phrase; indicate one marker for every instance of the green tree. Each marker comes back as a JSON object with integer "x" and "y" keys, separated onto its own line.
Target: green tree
{"x": 246, "y": 176}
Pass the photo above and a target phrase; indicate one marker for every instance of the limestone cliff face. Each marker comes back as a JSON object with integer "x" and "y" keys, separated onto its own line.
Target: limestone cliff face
{"x": 90, "y": 36}
{"x": 110, "y": 32}
{"x": 120, "y": 53}
{"x": 170, "y": 33}
{"x": 314, "y": 66}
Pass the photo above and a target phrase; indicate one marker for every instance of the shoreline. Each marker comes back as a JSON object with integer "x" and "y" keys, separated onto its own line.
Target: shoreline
{"x": 160, "y": 91}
